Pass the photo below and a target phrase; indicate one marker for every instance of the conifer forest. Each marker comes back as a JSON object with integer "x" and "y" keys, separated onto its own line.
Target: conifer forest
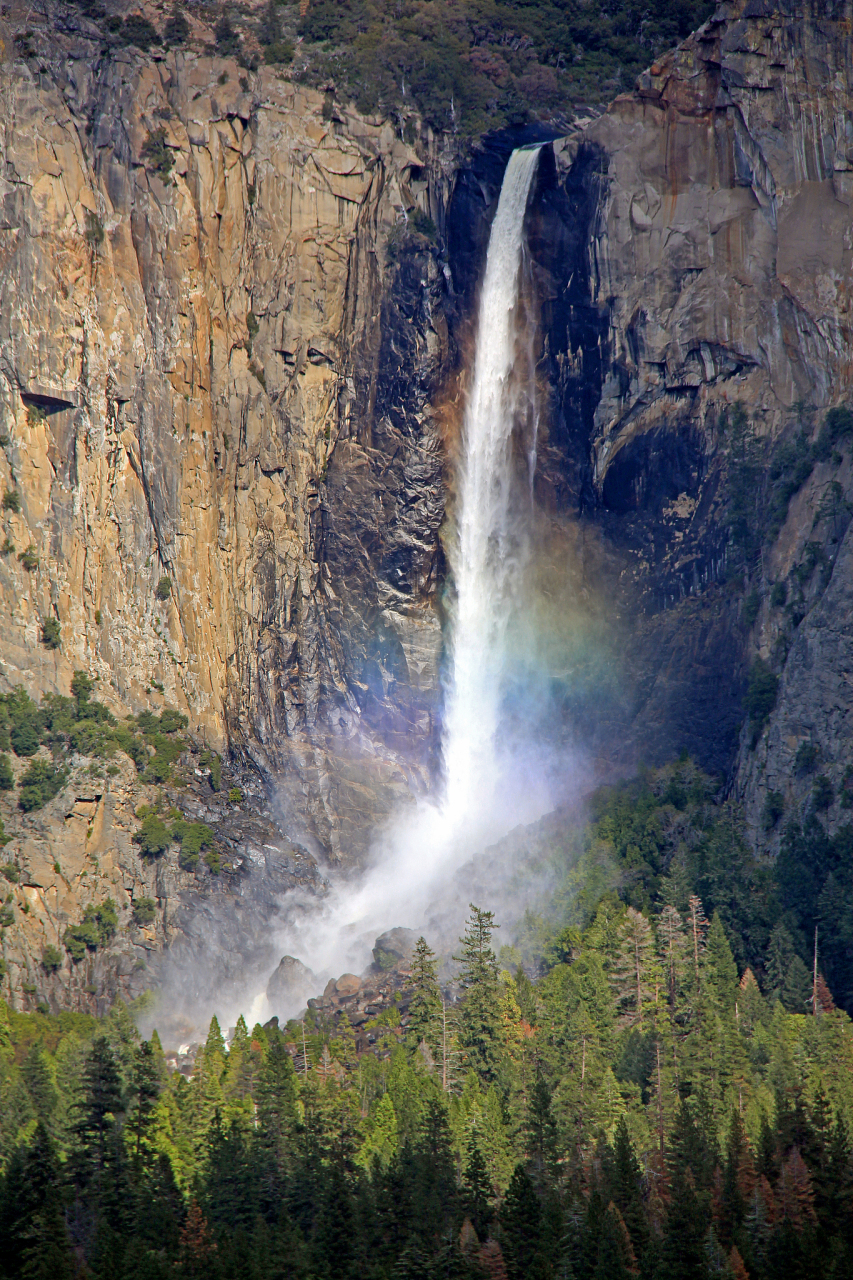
{"x": 670, "y": 1095}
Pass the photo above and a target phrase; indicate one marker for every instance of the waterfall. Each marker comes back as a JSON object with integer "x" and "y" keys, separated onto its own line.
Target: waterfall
{"x": 486, "y": 791}
{"x": 489, "y": 555}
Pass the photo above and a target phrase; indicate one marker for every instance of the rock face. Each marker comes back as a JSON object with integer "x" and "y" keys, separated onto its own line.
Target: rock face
{"x": 694, "y": 252}
{"x": 232, "y": 321}
{"x": 218, "y": 353}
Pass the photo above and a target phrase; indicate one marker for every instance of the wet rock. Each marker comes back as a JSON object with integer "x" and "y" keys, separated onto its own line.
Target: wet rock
{"x": 290, "y": 985}
{"x": 392, "y": 947}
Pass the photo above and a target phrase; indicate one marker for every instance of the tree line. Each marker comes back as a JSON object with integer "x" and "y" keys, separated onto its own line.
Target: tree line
{"x": 653, "y": 1091}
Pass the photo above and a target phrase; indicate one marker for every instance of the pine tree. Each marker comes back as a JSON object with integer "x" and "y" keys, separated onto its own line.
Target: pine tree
{"x": 616, "y": 1258}
{"x": 720, "y": 967}
{"x": 698, "y": 927}
{"x": 477, "y": 1190}
{"x": 626, "y": 1187}
{"x": 424, "y": 1024}
{"x": 520, "y": 1219}
{"x": 541, "y": 1133}
{"x": 215, "y": 1042}
{"x": 671, "y": 944}
{"x": 145, "y": 1090}
{"x": 99, "y": 1111}
{"x": 479, "y": 1019}
{"x": 634, "y": 970}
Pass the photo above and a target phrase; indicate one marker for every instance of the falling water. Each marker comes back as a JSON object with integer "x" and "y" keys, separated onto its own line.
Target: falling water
{"x": 490, "y": 551}
{"x": 486, "y": 791}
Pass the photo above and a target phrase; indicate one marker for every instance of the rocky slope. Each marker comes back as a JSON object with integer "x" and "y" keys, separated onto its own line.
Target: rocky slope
{"x": 233, "y": 319}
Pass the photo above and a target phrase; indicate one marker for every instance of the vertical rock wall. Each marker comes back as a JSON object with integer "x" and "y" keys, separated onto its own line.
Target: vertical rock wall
{"x": 214, "y": 370}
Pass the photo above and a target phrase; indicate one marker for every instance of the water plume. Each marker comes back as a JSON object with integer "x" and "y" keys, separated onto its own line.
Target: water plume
{"x": 490, "y": 785}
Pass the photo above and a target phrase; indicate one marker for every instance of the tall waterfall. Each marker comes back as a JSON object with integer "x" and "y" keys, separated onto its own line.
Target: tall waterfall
{"x": 488, "y": 558}
{"x": 486, "y": 791}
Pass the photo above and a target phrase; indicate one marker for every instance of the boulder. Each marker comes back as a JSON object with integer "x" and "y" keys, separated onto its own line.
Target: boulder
{"x": 291, "y": 984}
{"x": 394, "y": 946}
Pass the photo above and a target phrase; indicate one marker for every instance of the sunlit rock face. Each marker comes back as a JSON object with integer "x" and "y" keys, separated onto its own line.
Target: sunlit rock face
{"x": 231, "y": 337}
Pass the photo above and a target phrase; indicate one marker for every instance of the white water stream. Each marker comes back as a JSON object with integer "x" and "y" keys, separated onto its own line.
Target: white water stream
{"x": 487, "y": 791}
{"x": 490, "y": 556}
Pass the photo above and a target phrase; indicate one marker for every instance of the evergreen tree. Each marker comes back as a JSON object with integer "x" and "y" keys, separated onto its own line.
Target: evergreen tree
{"x": 541, "y": 1133}
{"x": 98, "y": 1112}
{"x": 616, "y": 1260}
{"x": 477, "y": 1191}
{"x": 634, "y": 971}
{"x": 144, "y": 1094}
{"x": 479, "y": 1018}
{"x": 520, "y": 1220}
{"x": 425, "y": 1004}
{"x": 720, "y": 967}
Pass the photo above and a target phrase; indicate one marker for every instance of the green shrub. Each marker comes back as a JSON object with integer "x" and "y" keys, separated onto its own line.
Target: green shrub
{"x": 164, "y": 588}
{"x": 193, "y": 837}
{"x": 837, "y": 425}
{"x": 153, "y": 837}
{"x": 10, "y": 872}
{"x": 51, "y": 958}
{"x": 11, "y": 500}
{"x": 779, "y": 594}
{"x": 751, "y": 606}
{"x": 279, "y": 53}
{"x": 823, "y": 793}
{"x": 235, "y": 796}
{"x": 252, "y": 327}
{"x": 158, "y": 155}
{"x": 144, "y": 911}
{"x": 171, "y": 720}
{"x": 760, "y": 697}
{"x": 94, "y": 232}
{"x": 805, "y": 761}
{"x": 137, "y": 30}
{"x": 7, "y": 777}
{"x": 177, "y": 29}
{"x": 25, "y": 738}
{"x": 22, "y": 721}
{"x": 39, "y": 783}
{"x": 51, "y": 633}
{"x": 422, "y": 224}
{"x": 227, "y": 39}
{"x": 7, "y": 917}
{"x": 29, "y": 558}
{"x": 131, "y": 746}
{"x": 8, "y": 547}
{"x": 211, "y": 761}
{"x": 774, "y": 807}
{"x": 95, "y": 930}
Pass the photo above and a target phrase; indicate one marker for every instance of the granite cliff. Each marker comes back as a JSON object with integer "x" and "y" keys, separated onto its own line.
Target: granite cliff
{"x": 233, "y": 320}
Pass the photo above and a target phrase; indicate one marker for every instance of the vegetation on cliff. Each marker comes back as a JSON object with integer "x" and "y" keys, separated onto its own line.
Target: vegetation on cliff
{"x": 654, "y": 1092}
{"x": 472, "y": 65}
{"x": 463, "y": 66}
